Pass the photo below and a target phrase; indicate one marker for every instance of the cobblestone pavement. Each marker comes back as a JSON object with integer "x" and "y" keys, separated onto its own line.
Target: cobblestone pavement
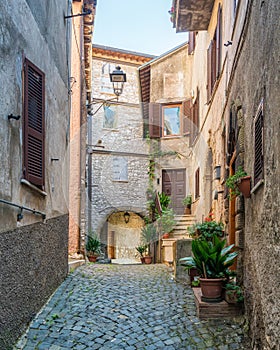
{"x": 126, "y": 307}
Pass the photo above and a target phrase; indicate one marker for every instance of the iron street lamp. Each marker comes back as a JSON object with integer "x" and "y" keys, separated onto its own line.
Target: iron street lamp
{"x": 126, "y": 216}
{"x": 118, "y": 78}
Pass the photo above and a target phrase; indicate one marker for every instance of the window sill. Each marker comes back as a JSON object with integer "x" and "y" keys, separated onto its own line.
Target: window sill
{"x": 257, "y": 186}
{"x": 36, "y": 189}
{"x": 120, "y": 181}
{"x": 111, "y": 129}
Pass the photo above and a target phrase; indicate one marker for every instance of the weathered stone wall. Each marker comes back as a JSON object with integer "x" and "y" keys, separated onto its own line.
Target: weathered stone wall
{"x": 123, "y": 139}
{"x": 256, "y": 77}
{"x": 33, "y": 264}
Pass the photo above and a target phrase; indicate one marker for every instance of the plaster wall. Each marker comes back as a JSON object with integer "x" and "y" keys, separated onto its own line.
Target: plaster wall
{"x": 20, "y": 28}
{"x": 33, "y": 253}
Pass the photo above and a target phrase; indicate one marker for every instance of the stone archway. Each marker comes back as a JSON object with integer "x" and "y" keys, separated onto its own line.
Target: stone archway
{"x": 120, "y": 237}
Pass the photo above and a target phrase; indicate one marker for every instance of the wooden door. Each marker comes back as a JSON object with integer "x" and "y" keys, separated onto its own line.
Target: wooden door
{"x": 174, "y": 185}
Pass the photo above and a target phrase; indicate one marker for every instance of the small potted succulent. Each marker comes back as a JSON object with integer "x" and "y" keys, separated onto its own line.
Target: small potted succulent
{"x": 233, "y": 293}
{"x": 93, "y": 247}
{"x": 187, "y": 203}
{"x": 141, "y": 249}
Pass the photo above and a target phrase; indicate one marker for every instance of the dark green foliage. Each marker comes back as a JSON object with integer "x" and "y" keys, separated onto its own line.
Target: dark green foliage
{"x": 164, "y": 200}
{"x": 206, "y": 230}
{"x": 93, "y": 245}
{"x": 211, "y": 258}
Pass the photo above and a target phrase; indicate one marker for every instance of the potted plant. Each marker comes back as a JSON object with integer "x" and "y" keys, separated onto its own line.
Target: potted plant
{"x": 148, "y": 235}
{"x": 206, "y": 229}
{"x": 212, "y": 260}
{"x": 141, "y": 249}
{"x": 93, "y": 247}
{"x": 233, "y": 293}
{"x": 187, "y": 203}
{"x": 166, "y": 222}
{"x": 238, "y": 183}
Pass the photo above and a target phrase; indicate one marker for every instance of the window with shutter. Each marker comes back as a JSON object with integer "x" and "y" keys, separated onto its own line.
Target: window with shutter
{"x": 195, "y": 119}
{"x": 34, "y": 124}
{"x": 214, "y": 57}
{"x": 197, "y": 194}
{"x": 171, "y": 120}
{"x": 219, "y": 42}
{"x": 145, "y": 78}
{"x": 155, "y": 120}
{"x": 258, "y": 145}
{"x": 187, "y": 116}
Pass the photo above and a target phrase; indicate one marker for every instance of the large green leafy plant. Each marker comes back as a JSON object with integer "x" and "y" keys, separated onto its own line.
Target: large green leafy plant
{"x": 93, "y": 245}
{"x": 211, "y": 258}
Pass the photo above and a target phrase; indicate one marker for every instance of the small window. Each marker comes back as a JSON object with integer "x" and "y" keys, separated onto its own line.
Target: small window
{"x": 258, "y": 145}
{"x": 34, "y": 125}
{"x": 197, "y": 194}
{"x": 110, "y": 117}
{"x": 120, "y": 171}
{"x": 171, "y": 120}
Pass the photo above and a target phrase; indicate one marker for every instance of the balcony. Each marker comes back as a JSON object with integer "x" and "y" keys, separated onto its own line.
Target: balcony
{"x": 192, "y": 15}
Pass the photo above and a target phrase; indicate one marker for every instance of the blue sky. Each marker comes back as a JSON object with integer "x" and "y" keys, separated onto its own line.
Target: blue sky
{"x": 142, "y": 26}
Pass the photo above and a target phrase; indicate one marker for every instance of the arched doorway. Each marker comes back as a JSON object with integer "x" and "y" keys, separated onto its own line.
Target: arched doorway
{"x": 121, "y": 234}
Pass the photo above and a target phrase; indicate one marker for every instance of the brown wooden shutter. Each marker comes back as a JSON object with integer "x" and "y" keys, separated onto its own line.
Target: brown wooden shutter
{"x": 197, "y": 183}
{"x": 209, "y": 70}
{"x": 213, "y": 64}
{"x": 155, "y": 120}
{"x": 218, "y": 42}
{"x": 145, "y": 77}
{"x": 34, "y": 124}
{"x": 187, "y": 115}
{"x": 191, "y": 46}
{"x": 259, "y": 164}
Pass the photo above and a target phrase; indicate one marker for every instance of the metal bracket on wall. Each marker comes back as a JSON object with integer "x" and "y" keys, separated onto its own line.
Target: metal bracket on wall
{"x": 20, "y": 215}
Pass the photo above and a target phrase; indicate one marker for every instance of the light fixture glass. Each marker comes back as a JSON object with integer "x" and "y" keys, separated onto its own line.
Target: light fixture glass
{"x": 126, "y": 216}
{"x": 118, "y": 78}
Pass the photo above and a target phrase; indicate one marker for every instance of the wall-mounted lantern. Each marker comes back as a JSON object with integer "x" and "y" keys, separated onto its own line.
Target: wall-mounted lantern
{"x": 126, "y": 216}
{"x": 118, "y": 78}
{"x": 217, "y": 172}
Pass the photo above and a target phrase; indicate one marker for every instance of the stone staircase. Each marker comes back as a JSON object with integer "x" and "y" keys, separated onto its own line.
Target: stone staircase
{"x": 182, "y": 222}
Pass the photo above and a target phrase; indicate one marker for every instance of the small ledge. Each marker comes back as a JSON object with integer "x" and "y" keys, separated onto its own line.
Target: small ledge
{"x": 257, "y": 186}
{"x": 36, "y": 189}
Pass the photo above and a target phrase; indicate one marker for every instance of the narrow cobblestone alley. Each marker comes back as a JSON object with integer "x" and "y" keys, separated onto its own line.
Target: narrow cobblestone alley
{"x": 126, "y": 307}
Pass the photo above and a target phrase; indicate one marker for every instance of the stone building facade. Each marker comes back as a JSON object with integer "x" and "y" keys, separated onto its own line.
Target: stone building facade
{"x": 237, "y": 43}
{"x": 117, "y": 154}
{"x": 35, "y": 100}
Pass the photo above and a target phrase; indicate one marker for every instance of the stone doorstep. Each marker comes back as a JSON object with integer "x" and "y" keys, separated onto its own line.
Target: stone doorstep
{"x": 215, "y": 310}
{"x": 73, "y": 264}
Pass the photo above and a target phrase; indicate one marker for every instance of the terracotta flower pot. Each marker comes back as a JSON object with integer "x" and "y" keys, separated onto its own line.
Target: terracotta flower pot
{"x": 142, "y": 260}
{"x": 148, "y": 259}
{"x": 211, "y": 289}
{"x": 187, "y": 211}
{"x": 92, "y": 258}
{"x": 165, "y": 235}
{"x": 244, "y": 186}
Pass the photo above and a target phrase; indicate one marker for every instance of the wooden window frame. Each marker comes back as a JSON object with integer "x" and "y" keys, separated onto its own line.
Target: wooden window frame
{"x": 214, "y": 56}
{"x": 259, "y": 145}
{"x": 33, "y": 124}
{"x": 171, "y": 105}
{"x": 197, "y": 183}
